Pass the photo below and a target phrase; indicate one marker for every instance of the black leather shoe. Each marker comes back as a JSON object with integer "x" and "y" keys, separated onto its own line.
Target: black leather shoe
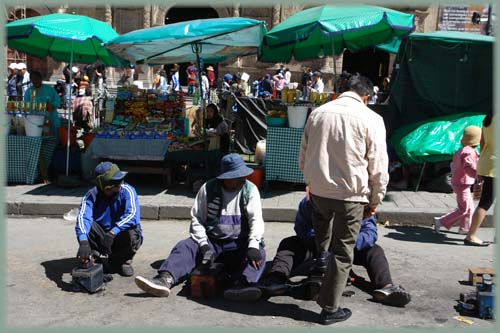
{"x": 328, "y": 318}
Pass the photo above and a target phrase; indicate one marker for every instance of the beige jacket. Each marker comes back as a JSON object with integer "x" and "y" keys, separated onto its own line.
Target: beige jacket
{"x": 343, "y": 153}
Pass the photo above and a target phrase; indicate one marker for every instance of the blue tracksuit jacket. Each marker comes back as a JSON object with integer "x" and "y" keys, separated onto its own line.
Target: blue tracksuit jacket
{"x": 304, "y": 228}
{"x": 117, "y": 215}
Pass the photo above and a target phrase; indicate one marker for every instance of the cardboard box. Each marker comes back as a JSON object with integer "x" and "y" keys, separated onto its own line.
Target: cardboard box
{"x": 476, "y": 274}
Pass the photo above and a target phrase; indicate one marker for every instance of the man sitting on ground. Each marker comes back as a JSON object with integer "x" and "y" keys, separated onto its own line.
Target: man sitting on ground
{"x": 227, "y": 227}
{"x": 109, "y": 222}
{"x": 296, "y": 250}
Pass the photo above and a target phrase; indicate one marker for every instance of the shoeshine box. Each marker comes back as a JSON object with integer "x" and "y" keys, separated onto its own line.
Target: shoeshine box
{"x": 207, "y": 282}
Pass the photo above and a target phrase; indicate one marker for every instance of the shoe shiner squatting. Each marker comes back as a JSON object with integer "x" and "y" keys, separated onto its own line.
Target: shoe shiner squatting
{"x": 108, "y": 222}
{"x": 226, "y": 227}
{"x": 297, "y": 251}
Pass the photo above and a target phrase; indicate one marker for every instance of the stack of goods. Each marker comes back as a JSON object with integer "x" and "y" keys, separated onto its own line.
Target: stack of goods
{"x": 145, "y": 114}
{"x": 31, "y": 114}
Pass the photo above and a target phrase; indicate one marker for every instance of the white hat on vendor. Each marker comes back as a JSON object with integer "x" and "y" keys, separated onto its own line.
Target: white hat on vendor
{"x": 21, "y": 65}
{"x": 13, "y": 66}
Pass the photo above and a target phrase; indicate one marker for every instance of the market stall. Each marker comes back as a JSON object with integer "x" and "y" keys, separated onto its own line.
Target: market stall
{"x": 29, "y": 154}
{"x": 199, "y": 41}
{"x": 64, "y": 37}
{"x": 147, "y": 131}
{"x": 276, "y": 124}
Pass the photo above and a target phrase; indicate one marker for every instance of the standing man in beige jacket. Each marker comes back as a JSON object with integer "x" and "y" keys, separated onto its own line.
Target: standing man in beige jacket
{"x": 343, "y": 157}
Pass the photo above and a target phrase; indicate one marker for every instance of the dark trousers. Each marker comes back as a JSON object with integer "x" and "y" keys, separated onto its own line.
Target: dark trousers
{"x": 375, "y": 262}
{"x": 125, "y": 244}
{"x": 487, "y": 196}
{"x": 341, "y": 234}
{"x": 294, "y": 253}
{"x": 232, "y": 253}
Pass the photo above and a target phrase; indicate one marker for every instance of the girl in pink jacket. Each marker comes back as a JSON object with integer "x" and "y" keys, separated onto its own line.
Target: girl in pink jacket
{"x": 463, "y": 176}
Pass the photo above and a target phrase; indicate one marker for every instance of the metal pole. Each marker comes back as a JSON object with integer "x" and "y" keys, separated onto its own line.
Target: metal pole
{"x": 335, "y": 85}
{"x": 197, "y": 50}
{"x": 420, "y": 177}
{"x": 70, "y": 107}
{"x": 488, "y": 23}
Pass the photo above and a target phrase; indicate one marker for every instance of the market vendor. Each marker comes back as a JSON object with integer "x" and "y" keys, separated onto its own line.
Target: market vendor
{"x": 215, "y": 125}
{"x": 43, "y": 93}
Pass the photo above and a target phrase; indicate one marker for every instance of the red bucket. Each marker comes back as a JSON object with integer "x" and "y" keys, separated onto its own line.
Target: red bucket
{"x": 87, "y": 139}
{"x": 63, "y": 136}
{"x": 257, "y": 177}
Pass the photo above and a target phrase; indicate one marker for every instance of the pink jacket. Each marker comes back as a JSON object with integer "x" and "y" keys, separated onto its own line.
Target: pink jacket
{"x": 464, "y": 165}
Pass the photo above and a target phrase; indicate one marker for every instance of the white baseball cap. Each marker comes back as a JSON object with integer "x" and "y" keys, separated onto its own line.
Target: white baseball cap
{"x": 13, "y": 66}
{"x": 75, "y": 69}
{"x": 21, "y": 65}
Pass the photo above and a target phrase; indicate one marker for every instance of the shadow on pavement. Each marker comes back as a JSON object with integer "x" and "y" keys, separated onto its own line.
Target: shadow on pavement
{"x": 55, "y": 269}
{"x": 55, "y": 190}
{"x": 423, "y": 235}
{"x": 263, "y": 307}
{"x": 146, "y": 185}
{"x": 156, "y": 264}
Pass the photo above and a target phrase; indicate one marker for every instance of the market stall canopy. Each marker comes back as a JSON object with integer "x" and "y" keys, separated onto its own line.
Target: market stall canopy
{"x": 393, "y": 45}
{"x": 217, "y": 39}
{"x": 442, "y": 73}
{"x": 329, "y": 29}
{"x": 64, "y": 37}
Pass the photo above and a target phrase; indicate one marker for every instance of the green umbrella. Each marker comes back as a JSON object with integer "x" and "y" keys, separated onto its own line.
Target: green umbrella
{"x": 328, "y": 30}
{"x": 64, "y": 37}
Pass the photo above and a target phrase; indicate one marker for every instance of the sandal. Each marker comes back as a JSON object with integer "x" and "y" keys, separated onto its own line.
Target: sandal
{"x": 471, "y": 243}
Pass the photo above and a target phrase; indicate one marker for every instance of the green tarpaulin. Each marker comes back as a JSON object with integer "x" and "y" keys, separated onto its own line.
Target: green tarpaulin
{"x": 434, "y": 140}
{"x": 442, "y": 73}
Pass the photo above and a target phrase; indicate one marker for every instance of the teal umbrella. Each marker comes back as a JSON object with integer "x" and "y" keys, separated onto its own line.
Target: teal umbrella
{"x": 214, "y": 40}
{"x": 204, "y": 40}
{"x": 64, "y": 37}
{"x": 329, "y": 29}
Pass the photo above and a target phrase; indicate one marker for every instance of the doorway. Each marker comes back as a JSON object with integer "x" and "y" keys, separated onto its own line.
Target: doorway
{"x": 372, "y": 63}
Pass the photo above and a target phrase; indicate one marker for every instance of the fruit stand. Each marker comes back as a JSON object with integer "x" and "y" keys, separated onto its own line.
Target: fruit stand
{"x": 145, "y": 132}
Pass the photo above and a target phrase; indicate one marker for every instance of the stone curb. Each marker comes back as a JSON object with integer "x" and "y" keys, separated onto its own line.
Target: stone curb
{"x": 151, "y": 211}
